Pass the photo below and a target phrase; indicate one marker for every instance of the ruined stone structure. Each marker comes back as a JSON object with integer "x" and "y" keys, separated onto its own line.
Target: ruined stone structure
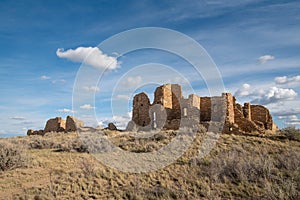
{"x": 58, "y": 125}
{"x": 170, "y": 110}
{"x": 72, "y": 123}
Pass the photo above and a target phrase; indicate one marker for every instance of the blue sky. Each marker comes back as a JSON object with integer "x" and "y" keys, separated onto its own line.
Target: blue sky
{"x": 255, "y": 45}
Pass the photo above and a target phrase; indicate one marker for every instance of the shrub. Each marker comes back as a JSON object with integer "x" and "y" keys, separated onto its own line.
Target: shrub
{"x": 291, "y": 133}
{"x": 87, "y": 166}
{"x": 11, "y": 156}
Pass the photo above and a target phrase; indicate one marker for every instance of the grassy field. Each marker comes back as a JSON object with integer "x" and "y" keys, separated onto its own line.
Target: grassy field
{"x": 58, "y": 166}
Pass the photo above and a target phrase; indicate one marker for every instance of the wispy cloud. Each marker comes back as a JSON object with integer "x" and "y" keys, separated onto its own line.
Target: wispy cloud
{"x": 87, "y": 107}
{"x": 91, "y": 88}
{"x": 287, "y": 112}
{"x": 287, "y": 80}
{"x": 123, "y": 97}
{"x": 59, "y": 81}
{"x": 44, "y": 77}
{"x": 265, "y": 58}
{"x": 290, "y": 120}
{"x": 132, "y": 81}
{"x": 92, "y": 56}
{"x": 18, "y": 118}
{"x": 65, "y": 110}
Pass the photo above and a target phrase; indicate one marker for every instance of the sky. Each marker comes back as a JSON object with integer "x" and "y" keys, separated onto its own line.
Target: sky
{"x": 254, "y": 44}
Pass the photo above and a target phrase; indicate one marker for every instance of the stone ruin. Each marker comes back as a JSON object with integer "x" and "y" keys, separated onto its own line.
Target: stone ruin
{"x": 58, "y": 125}
{"x": 170, "y": 110}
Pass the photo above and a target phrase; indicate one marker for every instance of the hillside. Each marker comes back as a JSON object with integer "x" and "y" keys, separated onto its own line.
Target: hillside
{"x": 57, "y": 166}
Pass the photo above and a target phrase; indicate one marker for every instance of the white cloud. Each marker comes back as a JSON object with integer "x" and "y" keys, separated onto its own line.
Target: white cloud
{"x": 286, "y": 80}
{"x": 290, "y": 120}
{"x": 91, "y": 88}
{"x": 265, "y": 58}
{"x": 120, "y": 121}
{"x": 59, "y": 81}
{"x": 132, "y": 81}
{"x": 66, "y": 110}
{"x": 44, "y": 77}
{"x": 87, "y": 107}
{"x": 244, "y": 91}
{"x": 18, "y": 118}
{"x": 274, "y": 95}
{"x": 92, "y": 56}
{"x": 287, "y": 112}
{"x": 123, "y": 97}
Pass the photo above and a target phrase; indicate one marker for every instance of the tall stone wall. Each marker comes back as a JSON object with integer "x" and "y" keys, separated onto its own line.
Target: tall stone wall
{"x": 163, "y": 96}
{"x": 56, "y": 124}
{"x": 72, "y": 124}
{"x": 247, "y": 111}
{"x": 205, "y": 109}
{"x": 230, "y": 102}
{"x": 176, "y": 98}
{"x": 260, "y": 114}
{"x": 141, "y": 106}
{"x": 244, "y": 124}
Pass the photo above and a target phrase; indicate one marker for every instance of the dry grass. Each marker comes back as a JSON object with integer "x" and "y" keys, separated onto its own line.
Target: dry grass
{"x": 239, "y": 167}
{"x": 11, "y": 156}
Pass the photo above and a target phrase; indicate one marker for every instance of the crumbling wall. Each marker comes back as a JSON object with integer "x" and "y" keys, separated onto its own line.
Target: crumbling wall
{"x": 163, "y": 96}
{"x": 260, "y": 114}
{"x": 190, "y": 111}
{"x": 140, "y": 113}
{"x": 205, "y": 109}
{"x": 247, "y": 111}
{"x": 244, "y": 124}
{"x": 176, "y": 100}
{"x": 170, "y": 110}
{"x": 230, "y": 102}
{"x": 56, "y": 124}
{"x": 72, "y": 124}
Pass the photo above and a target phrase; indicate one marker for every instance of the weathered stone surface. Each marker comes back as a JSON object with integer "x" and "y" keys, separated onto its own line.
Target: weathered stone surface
{"x": 30, "y": 132}
{"x": 111, "y": 127}
{"x": 34, "y": 132}
{"x": 261, "y": 114}
{"x": 141, "y": 106}
{"x": 72, "y": 124}
{"x": 170, "y": 110}
{"x": 56, "y": 124}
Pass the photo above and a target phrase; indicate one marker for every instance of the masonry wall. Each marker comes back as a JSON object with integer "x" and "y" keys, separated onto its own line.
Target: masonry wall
{"x": 205, "y": 109}
{"x": 230, "y": 102}
{"x": 260, "y": 114}
{"x": 141, "y": 106}
{"x": 56, "y": 124}
{"x": 170, "y": 110}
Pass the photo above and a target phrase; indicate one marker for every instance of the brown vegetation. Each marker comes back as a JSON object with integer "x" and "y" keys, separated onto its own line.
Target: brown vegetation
{"x": 239, "y": 167}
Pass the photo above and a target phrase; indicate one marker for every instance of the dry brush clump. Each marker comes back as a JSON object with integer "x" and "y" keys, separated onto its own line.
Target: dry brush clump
{"x": 258, "y": 172}
{"x": 291, "y": 132}
{"x": 12, "y": 156}
{"x": 66, "y": 142}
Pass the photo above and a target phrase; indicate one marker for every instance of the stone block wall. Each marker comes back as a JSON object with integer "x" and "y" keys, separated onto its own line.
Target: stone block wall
{"x": 58, "y": 125}
{"x": 205, "y": 109}
{"x": 170, "y": 110}
{"x": 262, "y": 114}
{"x": 140, "y": 113}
